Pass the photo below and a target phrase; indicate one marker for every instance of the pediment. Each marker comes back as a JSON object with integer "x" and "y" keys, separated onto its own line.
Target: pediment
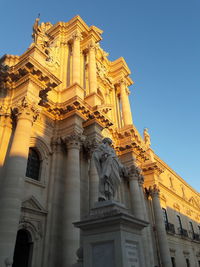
{"x": 33, "y": 204}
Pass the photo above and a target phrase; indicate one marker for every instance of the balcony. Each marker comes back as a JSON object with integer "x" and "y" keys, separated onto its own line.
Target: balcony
{"x": 183, "y": 232}
{"x": 170, "y": 228}
{"x": 196, "y": 237}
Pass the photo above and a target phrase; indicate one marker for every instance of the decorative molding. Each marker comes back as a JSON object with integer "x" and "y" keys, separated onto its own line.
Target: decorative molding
{"x": 31, "y": 204}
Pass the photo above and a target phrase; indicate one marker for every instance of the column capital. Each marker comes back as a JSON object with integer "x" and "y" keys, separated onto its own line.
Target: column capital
{"x": 90, "y": 145}
{"x": 77, "y": 36}
{"x": 56, "y": 144}
{"x": 74, "y": 140}
{"x": 154, "y": 191}
{"x": 25, "y": 109}
{"x": 92, "y": 46}
{"x": 122, "y": 82}
{"x": 135, "y": 174}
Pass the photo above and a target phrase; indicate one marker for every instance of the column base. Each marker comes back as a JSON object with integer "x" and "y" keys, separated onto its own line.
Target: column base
{"x": 111, "y": 236}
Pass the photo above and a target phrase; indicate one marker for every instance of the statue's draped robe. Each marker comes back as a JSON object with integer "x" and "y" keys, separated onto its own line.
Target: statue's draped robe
{"x": 109, "y": 170}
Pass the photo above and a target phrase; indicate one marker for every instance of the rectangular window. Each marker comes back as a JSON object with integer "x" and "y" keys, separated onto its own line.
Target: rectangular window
{"x": 179, "y": 223}
{"x": 165, "y": 216}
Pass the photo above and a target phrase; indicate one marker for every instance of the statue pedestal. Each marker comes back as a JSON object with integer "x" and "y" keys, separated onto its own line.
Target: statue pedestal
{"x": 111, "y": 237}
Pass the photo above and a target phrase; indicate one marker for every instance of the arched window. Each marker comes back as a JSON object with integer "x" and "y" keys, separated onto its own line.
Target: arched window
{"x": 33, "y": 164}
{"x": 23, "y": 249}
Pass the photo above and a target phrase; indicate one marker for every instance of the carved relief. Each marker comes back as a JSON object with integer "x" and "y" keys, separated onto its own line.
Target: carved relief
{"x": 53, "y": 59}
{"x": 102, "y": 72}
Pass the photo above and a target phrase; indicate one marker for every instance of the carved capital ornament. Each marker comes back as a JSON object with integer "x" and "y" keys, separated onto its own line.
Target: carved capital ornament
{"x": 25, "y": 109}
{"x": 74, "y": 140}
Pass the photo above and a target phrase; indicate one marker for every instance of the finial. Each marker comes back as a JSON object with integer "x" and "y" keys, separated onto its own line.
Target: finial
{"x": 147, "y": 139}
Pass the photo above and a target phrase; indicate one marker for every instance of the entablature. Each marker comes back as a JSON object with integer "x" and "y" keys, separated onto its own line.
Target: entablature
{"x": 61, "y": 111}
{"x": 128, "y": 139}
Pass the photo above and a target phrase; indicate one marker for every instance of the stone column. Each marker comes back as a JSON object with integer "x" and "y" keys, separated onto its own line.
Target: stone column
{"x": 136, "y": 198}
{"x": 126, "y": 109}
{"x": 53, "y": 244}
{"x": 13, "y": 181}
{"x": 93, "y": 175}
{"x": 160, "y": 228}
{"x": 76, "y": 58}
{"x": 92, "y": 68}
{"x": 71, "y": 212}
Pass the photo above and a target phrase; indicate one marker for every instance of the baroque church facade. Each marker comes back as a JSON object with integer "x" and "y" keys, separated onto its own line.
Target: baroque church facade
{"x": 57, "y": 101}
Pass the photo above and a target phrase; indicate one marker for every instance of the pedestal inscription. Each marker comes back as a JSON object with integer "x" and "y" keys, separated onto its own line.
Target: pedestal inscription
{"x": 103, "y": 255}
{"x": 132, "y": 254}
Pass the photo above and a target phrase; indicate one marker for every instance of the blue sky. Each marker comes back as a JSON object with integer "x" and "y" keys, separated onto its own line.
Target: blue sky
{"x": 160, "y": 41}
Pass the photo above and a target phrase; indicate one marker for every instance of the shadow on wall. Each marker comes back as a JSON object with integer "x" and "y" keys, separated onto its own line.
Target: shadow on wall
{"x": 183, "y": 235}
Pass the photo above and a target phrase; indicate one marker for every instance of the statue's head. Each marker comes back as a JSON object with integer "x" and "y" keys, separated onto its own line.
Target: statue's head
{"x": 107, "y": 140}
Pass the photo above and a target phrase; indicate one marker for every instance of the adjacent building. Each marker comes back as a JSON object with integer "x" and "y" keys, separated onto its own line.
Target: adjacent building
{"x": 57, "y": 100}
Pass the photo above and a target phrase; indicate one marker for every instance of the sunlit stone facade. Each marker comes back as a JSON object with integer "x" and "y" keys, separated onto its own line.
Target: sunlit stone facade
{"x": 57, "y": 101}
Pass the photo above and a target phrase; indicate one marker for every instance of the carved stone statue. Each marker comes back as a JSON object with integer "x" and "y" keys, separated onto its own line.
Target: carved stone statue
{"x": 109, "y": 169}
{"x": 36, "y": 30}
{"x": 147, "y": 139}
{"x": 39, "y": 35}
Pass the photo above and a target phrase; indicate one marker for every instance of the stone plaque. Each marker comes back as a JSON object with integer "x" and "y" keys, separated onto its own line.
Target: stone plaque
{"x": 132, "y": 254}
{"x": 103, "y": 255}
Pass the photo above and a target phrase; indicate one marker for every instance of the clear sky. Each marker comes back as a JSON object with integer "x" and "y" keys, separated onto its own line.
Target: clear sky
{"x": 160, "y": 41}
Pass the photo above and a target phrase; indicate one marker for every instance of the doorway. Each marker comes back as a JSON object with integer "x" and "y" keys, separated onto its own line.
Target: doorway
{"x": 23, "y": 249}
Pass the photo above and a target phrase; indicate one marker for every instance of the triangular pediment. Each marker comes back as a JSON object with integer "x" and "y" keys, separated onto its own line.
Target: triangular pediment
{"x": 33, "y": 204}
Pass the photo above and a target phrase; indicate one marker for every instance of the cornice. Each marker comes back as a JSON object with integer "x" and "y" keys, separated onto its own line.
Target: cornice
{"x": 152, "y": 167}
{"x": 119, "y": 70}
{"x": 175, "y": 174}
{"x": 179, "y": 198}
{"x": 29, "y": 77}
{"x": 129, "y": 131}
{"x": 31, "y": 65}
{"x": 128, "y": 139}
{"x": 76, "y": 105}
